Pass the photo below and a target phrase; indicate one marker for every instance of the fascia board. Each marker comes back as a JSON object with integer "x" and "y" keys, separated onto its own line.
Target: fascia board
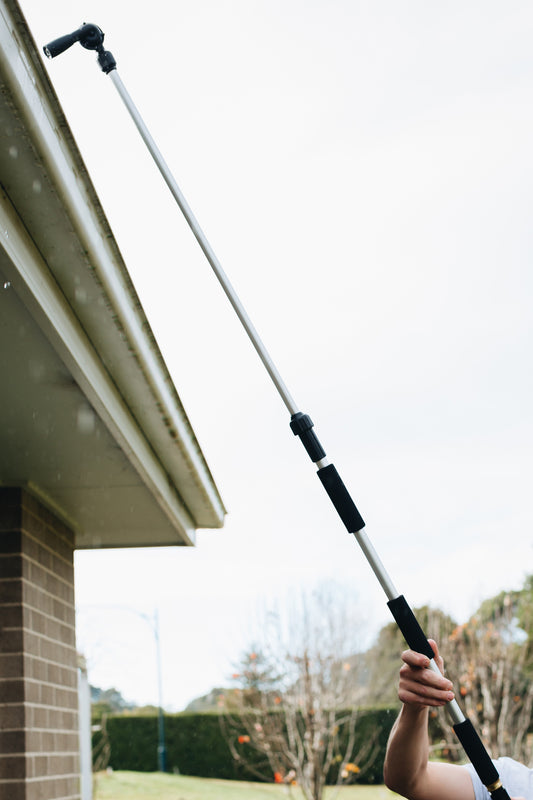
{"x": 41, "y": 295}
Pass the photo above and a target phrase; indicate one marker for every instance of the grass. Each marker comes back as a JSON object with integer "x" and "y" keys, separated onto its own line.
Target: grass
{"x": 156, "y": 786}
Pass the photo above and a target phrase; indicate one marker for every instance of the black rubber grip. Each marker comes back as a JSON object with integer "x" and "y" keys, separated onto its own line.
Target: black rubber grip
{"x": 408, "y": 624}
{"x": 475, "y": 750}
{"x": 341, "y": 499}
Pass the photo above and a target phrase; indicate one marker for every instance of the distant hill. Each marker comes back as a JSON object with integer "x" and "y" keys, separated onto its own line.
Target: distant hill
{"x": 108, "y": 701}
{"x": 215, "y": 700}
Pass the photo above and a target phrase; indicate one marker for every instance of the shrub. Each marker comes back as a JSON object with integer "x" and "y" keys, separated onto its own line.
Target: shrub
{"x": 195, "y": 744}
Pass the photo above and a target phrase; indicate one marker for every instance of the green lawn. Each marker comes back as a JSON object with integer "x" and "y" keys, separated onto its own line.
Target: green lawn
{"x": 155, "y": 786}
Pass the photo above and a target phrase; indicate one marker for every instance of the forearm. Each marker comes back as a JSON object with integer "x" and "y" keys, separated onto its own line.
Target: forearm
{"x": 406, "y": 760}
{"x": 407, "y": 769}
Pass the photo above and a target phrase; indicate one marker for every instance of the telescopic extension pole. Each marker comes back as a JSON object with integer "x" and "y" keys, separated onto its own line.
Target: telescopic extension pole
{"x": 92, "y": 38}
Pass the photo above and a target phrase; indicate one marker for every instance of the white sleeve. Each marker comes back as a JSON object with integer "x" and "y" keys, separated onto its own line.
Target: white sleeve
{"x": 480, "y": 791}
{"x": 516, "y": 778}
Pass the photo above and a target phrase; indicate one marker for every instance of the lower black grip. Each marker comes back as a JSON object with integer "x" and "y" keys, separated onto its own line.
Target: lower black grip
{"x": 481, "y": 761}
{"x": 500, "y": 794}
{"x": 475, "y": 750}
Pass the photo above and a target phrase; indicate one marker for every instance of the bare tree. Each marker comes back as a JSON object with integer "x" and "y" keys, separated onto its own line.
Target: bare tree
{"x": 295, "y": 705}
{"x": 492, "y": 659}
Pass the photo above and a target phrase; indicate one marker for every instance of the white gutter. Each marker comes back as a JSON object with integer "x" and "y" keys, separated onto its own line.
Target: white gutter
{"x": 76, "y": 195}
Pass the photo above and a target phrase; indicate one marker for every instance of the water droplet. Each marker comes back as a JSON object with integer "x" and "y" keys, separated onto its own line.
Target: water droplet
{"x": 7, "y": 284}
{"x": 36, "y": 370}
{"x": 37, "y": 186}
{"x": 80, "y": 294}
{"x": 86, "y": 420}
{"x": 13, "y": 151}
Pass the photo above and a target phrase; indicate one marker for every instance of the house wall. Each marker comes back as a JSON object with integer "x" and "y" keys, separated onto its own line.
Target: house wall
{"x": 39, "y": 739}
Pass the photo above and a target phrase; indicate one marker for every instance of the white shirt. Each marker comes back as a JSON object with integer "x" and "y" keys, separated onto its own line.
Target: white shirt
{"x": 516, "y": 778}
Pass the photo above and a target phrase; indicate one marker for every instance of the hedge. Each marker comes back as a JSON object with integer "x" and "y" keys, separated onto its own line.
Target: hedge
{"x": 195, "y": 744}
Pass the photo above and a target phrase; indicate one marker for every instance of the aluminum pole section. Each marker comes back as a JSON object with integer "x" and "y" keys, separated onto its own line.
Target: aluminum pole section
{"x": 204, "y": 244}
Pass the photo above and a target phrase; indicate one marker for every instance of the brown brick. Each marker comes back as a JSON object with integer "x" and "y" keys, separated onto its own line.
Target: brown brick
{"x": 11, "y": 717}
{"x": 32, "y": 644}
{"x": 57, "y": 742}
{"x": 11, "y": 640}
{"x": 56, "y": 651}
{"x": 45, "y": 765}
{"x": 67, "y": 698}
{"x": 13, "y": 790}
{"x": 12, "y": 691}
{"x": 51, "y": 537}
{"x": 38, "y": 717}
{"x": 35, "y": 741}
{"x": 12, "y": 616}
{"x": 13, "y": 767}
{"x": 67, "y": 788}
{"x": 11, "y": 566}
{"x": 10, "y": 590}
{"x": 12, "y": 742}
{"x": 11, "y": 665}
{"x": 63, "y": 611}
{"x": 38, "y": 661}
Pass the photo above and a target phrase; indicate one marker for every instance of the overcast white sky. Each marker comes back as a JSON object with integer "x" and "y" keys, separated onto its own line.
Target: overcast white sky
{"x": 364, "y": 172}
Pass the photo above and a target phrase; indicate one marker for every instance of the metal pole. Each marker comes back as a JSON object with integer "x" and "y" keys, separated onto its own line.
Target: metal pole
{"x": 302, "y": 427}
{"x": 92, "y": 38}
{"x": 204, "y": 244}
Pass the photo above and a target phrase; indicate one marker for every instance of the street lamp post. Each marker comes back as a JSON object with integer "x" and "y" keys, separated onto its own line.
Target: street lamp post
{"x": 161, "y": 746}
{"x": 153, "y": 622}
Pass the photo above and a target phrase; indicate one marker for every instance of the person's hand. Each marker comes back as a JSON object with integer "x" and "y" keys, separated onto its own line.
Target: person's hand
{"x": 420, "y": 685}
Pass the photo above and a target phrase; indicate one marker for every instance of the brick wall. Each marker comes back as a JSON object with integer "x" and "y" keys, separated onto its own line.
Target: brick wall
{"x": 39, "y": 753}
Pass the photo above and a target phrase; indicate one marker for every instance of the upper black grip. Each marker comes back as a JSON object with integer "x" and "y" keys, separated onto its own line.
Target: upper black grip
{"x": 341, "y": 499}
{"x": 408, "y": 624}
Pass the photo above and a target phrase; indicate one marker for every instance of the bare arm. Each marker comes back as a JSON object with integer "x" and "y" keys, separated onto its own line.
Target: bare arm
{"x": 407, "y": 769}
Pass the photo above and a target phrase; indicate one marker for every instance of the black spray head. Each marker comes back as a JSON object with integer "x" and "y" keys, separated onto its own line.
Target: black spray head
{"x": 89, "y": 36}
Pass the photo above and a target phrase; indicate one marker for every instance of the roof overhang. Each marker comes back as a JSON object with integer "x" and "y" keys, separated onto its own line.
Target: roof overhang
{"x": 91, "y": 420}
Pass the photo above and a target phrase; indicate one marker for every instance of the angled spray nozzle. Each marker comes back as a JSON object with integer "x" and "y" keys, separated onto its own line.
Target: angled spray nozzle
{"x": 89, "y": 36}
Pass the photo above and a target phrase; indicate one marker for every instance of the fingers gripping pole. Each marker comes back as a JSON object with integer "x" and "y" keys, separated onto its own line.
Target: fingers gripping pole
{"x": 91, "y": 37}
